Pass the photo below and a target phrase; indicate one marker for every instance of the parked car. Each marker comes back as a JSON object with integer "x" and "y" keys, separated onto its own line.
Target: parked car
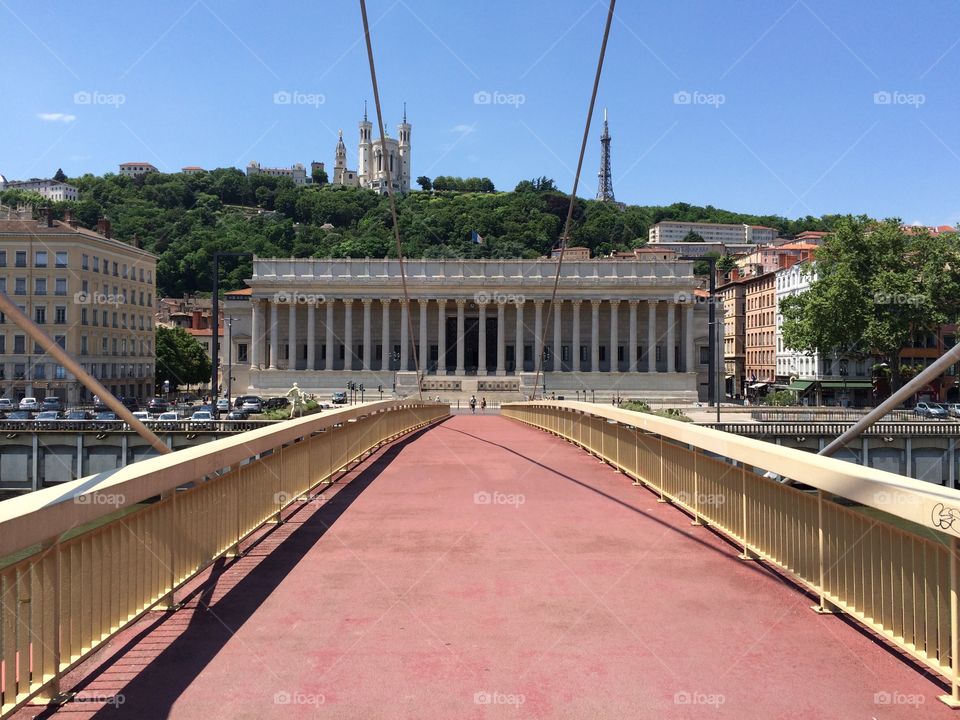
{"x": 238, "y": 415}
{"x": 202, "y": 419}
{"x": 243, "y": 398}
{"x": 252, "y": 405}
{"x": 30, "y": 403}
{"x": 106, "y": 420}
{"x": 48, "y": 419}
{"x": 52, "y": 402}
{"x": 168, "y": 419}
{"x": 339, "y": 398}
{"x": 7, "y": 404}
{"x": 18, "y": 420}
{"x": 141, "y": 415}
{"x": 157, "y": 406}
{"x": 76, "y": 419}
{"x": 223, "y": 405}
{"x": 275, "y": 403}
{"x": 930, "y": 410}
{"x": 130, "y": 403}
{"x": 953, "y": 409}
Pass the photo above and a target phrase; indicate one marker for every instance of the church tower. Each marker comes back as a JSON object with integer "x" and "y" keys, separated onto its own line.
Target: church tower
{"x": 605, "y": 187}
{"x": 340, "y": 165}
{"x": 363, "y": 163}
{"x": 404, "y": 149}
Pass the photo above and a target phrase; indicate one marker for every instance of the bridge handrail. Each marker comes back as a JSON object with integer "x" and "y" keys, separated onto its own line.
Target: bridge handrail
{"x": 67, "y": 595}
{"x": 900, "y": 579}
{"x": 834, "y": 429}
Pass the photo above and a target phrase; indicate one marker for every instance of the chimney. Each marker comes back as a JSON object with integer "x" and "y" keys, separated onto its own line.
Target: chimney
{"x": 103, "y": 227}
{"x": 48, "y": 211}
{"x": 196, "y": 321}
{"x": 135, "y": 241}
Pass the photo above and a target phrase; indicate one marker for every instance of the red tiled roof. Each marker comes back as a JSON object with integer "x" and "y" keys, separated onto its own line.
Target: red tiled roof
{"x": 241, "y": 291}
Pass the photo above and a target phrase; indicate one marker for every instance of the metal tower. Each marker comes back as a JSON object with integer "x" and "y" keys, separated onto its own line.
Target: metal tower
{"x": 605, "y": 188}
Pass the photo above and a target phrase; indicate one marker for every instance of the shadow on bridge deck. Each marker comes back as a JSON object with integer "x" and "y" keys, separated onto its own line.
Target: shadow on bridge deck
{"x": 485, "y": 570}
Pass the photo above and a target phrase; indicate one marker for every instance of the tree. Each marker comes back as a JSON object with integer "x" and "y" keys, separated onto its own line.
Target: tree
{"x": 60, "y": 175}
{"x": 877, "y": 285}
{"x": 180, "y": 358}
{"x": 693, "y": 237}
{"x": 726, "y": 263}
{"x": 424, "y": 182}
{"x": 702, "y": 266}
{"x": 319, "y": 177}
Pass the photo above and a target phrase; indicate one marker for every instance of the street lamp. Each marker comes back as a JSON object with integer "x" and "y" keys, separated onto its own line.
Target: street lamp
{"x": 843, "y": 374}
{"x": 229, "y": 322}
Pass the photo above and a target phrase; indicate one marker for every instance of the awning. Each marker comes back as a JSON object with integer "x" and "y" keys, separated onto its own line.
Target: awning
{"x": 800, "y": 385}
{"x": 730, "y": 377}
{"x": 757, "y": 386}
{"x": 849, "y": 385}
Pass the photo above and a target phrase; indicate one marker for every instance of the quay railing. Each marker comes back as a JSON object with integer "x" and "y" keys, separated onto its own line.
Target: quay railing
{"x": 835, "y": 429}
{"x": 82, "y": 560}
{"x": 880, "y": 547}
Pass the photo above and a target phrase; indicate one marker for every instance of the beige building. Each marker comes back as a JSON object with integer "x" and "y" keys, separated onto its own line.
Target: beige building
{"x": 92, "y": 294}
{"x": 669, "y": 231}
{"x": 620, "y": 327}
{"x": 133, "y": 169}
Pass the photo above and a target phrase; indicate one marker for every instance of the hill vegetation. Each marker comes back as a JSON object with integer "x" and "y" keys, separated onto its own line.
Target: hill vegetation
{"x": 184, "y": 219}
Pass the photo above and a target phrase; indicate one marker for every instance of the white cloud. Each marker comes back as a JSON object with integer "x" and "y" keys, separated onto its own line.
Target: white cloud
{"x": 463, "y": 129}
{"x": 56, "y": 117}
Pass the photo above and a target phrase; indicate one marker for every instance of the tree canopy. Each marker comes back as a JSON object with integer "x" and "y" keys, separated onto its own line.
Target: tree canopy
{"x": 180, "y": 358}
{"x": 877, "y": 285}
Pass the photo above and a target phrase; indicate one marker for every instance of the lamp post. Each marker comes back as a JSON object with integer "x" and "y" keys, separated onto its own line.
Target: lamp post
{"x": 229, "y": 323}
{"x": 843, "y": 374}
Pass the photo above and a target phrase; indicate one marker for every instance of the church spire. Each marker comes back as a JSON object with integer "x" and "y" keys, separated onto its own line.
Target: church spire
{"x": 365, "y": 111}
{"x": 605, "y": 187}
{"x": 404, "y": 112}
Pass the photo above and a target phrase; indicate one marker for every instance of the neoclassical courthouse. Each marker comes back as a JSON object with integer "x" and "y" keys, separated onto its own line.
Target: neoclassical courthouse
{"x": 631, "y": 327}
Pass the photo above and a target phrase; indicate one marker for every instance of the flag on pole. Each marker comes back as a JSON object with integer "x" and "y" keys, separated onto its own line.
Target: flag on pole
{"x": 476, "y": 238}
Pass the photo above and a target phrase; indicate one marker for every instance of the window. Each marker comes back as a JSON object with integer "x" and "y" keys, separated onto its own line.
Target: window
{"x": 96, "y": 264}
{"x": 83, "y": 316}
{"x": 61, "y": 259}
{"x": 40, "y": 314}
{"x": 61, "y": 315}
{"x": 59, "y": 373}
{"x": 83, "y": 344}
{"x": 84, "y": 262}
{"x": 19, "y": 371}
{"x": 584, "y": 353}
{"x": 21, "y": 258}
{"x": 104, "y": 345}
{"x": 39, "y": 371}
{"x": 603, "y": 354}
{"x": 3, "y": 258}
{"x": 658, "y": 353}
{"x": 60, "y": 286}
{"x": 61, "y": 340}
{"x": 40, "y": 258}
{"x": 3, "y": 345}
{"x": 241, "y": 352}
{"x": 705, "y": 355}
{"x": 565, "y": 353}
{"x": 3, "y": 284}
{"x": 115, "y": 272}
{"x": 39, "y": 286}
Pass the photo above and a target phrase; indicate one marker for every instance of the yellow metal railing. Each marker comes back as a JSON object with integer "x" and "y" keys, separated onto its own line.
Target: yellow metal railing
{"x": 895, "y": 571}
{"x": 68, "y": 596}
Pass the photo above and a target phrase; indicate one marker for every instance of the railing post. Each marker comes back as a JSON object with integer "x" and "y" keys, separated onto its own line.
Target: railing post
{"x": 825, "y": 607}
{"x": 49, "y": 567}
{"x": 953, "y": 699}
{"x": 169, "y": 600}
{"x": 747, "y": 553}
{"x": 696, "y": 486}
{"x": 662, "y": 498}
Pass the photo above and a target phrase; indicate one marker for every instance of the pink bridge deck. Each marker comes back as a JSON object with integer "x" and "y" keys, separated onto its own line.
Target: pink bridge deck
{"x": 482, "y": 569}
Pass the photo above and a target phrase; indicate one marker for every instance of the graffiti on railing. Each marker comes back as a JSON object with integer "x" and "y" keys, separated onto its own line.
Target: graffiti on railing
{"x": 946, "y": 518}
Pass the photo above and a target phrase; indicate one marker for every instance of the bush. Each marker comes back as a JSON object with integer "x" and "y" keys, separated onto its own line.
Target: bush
{"x": 780, "y": 398}
{"x": 670, "y": 413}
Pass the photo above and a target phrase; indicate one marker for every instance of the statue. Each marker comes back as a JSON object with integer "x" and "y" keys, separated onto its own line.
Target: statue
{"x": 298, "y": 398}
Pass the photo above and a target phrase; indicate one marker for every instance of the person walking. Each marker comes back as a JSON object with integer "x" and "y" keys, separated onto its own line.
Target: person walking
{"x": 483, "y": 406}
{"x": 473, "y": 404}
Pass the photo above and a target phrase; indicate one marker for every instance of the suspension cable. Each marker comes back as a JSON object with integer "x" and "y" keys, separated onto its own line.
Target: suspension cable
{"x": 393, "y": 202}
{"x": 573, "y": 199}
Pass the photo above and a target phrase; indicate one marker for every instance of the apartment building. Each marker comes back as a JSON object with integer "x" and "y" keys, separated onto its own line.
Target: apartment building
{"x": 91, "y": 293}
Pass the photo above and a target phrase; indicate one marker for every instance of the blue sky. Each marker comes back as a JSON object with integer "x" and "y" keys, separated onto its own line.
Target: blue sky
{"x": 783, "y": 113}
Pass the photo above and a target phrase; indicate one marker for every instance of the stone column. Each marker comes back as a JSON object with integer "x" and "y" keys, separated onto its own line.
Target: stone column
{"x": 460, "y": 330}
{"x": 651, "y": 336}
{"x": 614, "y": 335}
{"x": 518, "y": 341}
{"x": 557, "y": 336}
{"x": 688, "y": 359}
{"x": 292, "y": 335}
{"x": 671, "y": 337}
{"x": 404, "y": 335}
{"x": 482, "y": 340}
{"x": 441, "y": 336}
{"x": 633, "y": 337}
{"x": 595, "y": 335}
{"x": 424, "y": 356}
{"x": 348, "y": 334}
{"x": 311, "y": 336}
{"x": 273, "y": 336}
{"x": 501, "y": 341}
{"x": 255, "y": 333}
{"x": 538, "y": 335}
{"x": 367, "y": 334}
{"x": 328, "y": 331}
{"x": 385, "y": 350}
{"x": 575, "y": 342}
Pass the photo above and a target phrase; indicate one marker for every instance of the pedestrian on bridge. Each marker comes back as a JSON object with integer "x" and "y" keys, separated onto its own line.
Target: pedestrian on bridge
{"x": 473, "y": 404}
{"x": 483, "y": 405}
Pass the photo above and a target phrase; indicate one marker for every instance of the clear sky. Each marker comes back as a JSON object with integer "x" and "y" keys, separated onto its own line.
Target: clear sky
{"x": 782, "y": 116}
